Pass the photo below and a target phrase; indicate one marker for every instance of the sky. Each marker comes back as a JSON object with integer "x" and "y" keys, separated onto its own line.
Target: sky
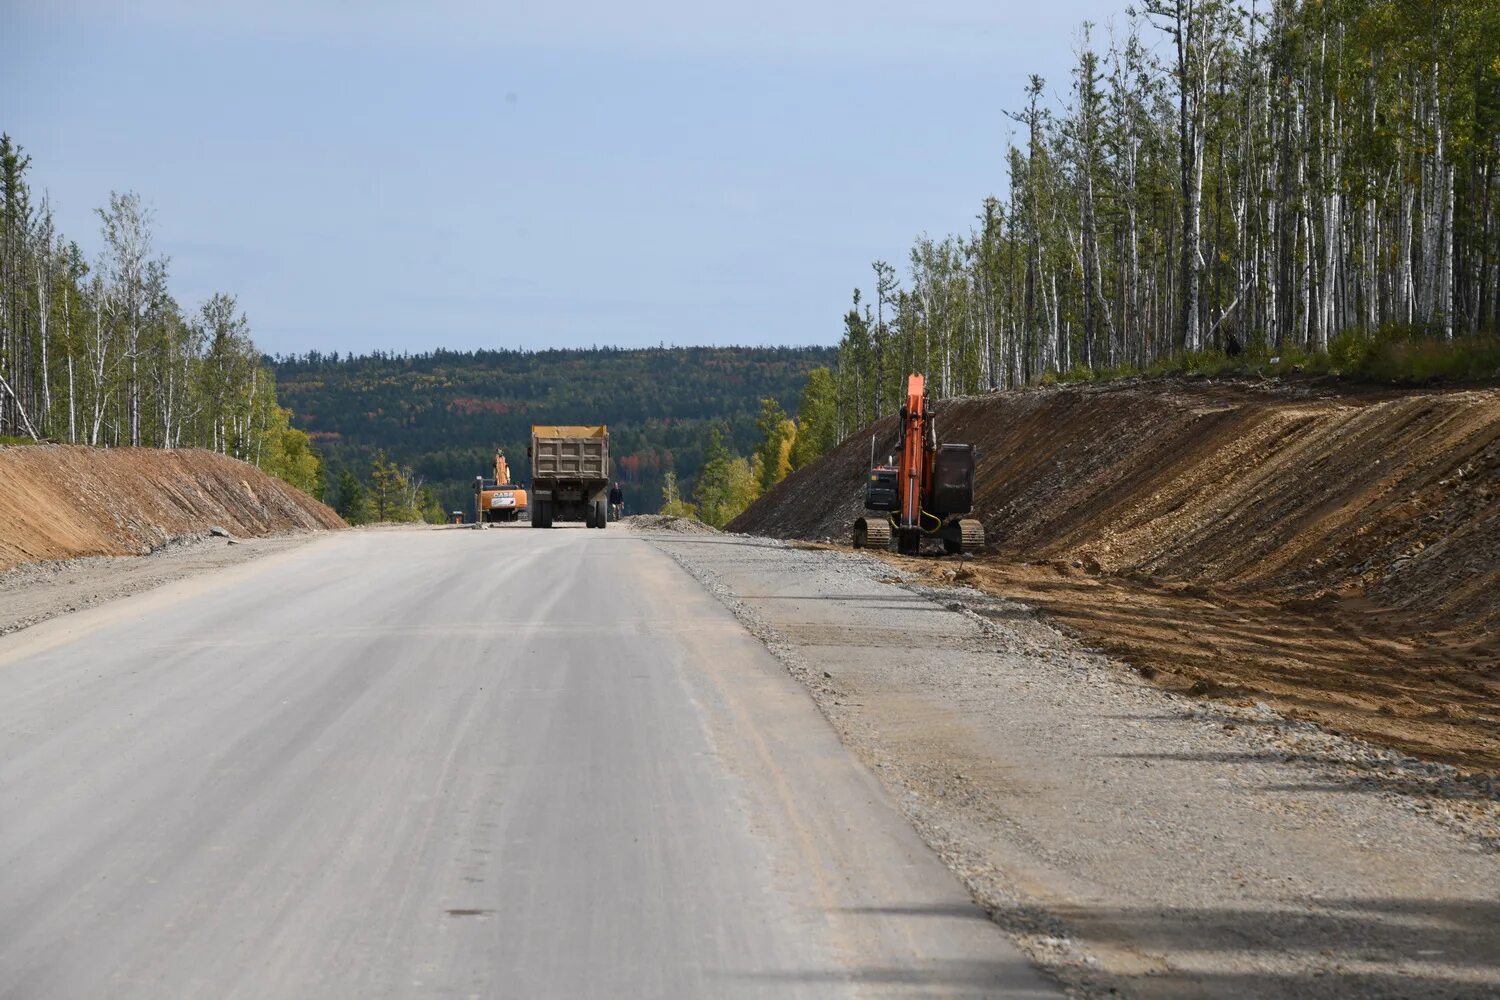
{"x": 377, "y": 174}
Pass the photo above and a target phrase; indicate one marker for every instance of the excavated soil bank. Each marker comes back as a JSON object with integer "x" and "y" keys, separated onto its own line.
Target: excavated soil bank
{"x": 61, "y": 501}
{"x": 1334, "y": 553}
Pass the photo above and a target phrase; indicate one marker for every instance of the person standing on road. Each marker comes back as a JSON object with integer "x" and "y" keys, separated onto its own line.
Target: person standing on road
{"x": 616, "y": 502}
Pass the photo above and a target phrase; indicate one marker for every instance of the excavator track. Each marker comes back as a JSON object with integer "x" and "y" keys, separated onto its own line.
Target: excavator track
{"x": 962, "y": 537}
{"x": 872, "y": 533}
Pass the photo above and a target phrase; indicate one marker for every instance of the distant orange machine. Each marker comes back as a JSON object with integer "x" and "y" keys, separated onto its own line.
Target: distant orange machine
{"x": 499, "y": 499}
{"x": 926, "y": 492}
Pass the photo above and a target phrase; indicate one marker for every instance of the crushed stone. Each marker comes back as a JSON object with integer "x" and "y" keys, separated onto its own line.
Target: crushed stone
{"x": 1133, "y": 841}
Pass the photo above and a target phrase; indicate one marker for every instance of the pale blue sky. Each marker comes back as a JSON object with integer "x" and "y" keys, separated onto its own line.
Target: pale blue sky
{"x": 367, "y": 175}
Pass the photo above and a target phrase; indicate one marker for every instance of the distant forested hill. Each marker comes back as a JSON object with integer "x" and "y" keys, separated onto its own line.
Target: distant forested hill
{"x": 443, "y": 413}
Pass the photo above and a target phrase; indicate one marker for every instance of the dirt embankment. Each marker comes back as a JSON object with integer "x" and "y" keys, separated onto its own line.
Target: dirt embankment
{"x": 1337, "y": 554}
{"x": 61, "y": 502}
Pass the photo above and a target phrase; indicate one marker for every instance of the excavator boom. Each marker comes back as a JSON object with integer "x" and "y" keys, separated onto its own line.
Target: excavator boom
{"x": 914, "y": 471}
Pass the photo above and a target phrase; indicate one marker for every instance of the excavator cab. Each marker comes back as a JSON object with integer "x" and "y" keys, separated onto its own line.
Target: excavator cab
{"x": 880, "y": 489}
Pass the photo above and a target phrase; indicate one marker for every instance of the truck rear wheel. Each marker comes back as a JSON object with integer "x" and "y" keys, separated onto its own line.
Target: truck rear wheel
{"x": 588, "y": 517}
{"x": 601, "y": 514}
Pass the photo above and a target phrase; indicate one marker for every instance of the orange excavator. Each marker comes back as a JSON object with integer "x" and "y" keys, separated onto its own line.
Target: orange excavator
{"x": 924, "y": 492}
{"x": 501, "y": 499}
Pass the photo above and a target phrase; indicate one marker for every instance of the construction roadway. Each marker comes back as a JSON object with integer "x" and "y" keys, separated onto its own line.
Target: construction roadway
{"x": 510, "y": 763}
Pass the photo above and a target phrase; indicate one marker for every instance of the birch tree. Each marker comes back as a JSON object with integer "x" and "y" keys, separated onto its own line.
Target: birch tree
{"x": 1286, "y": 176}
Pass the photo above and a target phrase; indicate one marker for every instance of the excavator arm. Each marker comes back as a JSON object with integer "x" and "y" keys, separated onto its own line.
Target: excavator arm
{"x": 913, "y": 471}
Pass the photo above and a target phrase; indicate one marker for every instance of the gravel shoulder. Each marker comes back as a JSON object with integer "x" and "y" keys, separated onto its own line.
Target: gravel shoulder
{"x": 38, "y": 591}
{"x": 1133, "y": 841}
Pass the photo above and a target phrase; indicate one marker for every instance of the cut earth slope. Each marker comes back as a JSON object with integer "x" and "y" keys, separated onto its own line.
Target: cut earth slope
{"x": 1333, "y": 551}
{"x": 63, "y": 501}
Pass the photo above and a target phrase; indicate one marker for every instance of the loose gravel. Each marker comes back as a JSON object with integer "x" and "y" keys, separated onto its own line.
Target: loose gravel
{"x": 1133, "y": 841}
{"x": 666, "y": 522}
{"x": 34, "y": 592}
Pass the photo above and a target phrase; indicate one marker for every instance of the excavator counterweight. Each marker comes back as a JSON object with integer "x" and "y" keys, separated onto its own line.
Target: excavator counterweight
{"x": 927, "y": 489}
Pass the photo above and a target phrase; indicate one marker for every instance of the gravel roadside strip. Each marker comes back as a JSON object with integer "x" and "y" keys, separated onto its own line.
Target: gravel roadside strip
{"x": 35, "y": 592}
{"x": 1133, "y": 842}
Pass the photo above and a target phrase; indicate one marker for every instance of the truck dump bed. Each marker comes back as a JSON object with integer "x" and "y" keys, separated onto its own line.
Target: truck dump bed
{"x": 569, "y": 452}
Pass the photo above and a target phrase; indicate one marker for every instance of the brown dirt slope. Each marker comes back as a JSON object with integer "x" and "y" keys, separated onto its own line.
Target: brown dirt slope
{"x": 1335, "y": 552}
{"x": 59, "y": 502}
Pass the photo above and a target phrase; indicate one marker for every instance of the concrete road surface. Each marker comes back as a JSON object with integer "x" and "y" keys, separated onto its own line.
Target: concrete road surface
{"x": 510, "y": 763}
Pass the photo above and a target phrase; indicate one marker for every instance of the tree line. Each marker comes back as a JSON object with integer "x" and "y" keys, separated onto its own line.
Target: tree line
{"x": 388, "y": 493}
{"x": 727, "y": 483}
{"x": 1268, "y": 179}
{"x": 441, "y": 414}
{"x": 98, "y": 352}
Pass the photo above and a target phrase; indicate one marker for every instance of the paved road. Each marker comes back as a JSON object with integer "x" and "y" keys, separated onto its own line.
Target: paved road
{"x": 451, "y": 764}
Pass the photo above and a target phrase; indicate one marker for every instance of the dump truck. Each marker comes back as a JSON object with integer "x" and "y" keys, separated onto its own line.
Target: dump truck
{"x": 569, "y": 475}
{"x": 498, "y": 499}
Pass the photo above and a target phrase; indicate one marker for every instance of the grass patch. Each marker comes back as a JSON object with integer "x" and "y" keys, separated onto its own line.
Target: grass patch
{"x": 1396, "y": 355}
{"x": 1412, "y": 357}
{"x": 1082, "y": 373}
{"x": 1078, "y": 373}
